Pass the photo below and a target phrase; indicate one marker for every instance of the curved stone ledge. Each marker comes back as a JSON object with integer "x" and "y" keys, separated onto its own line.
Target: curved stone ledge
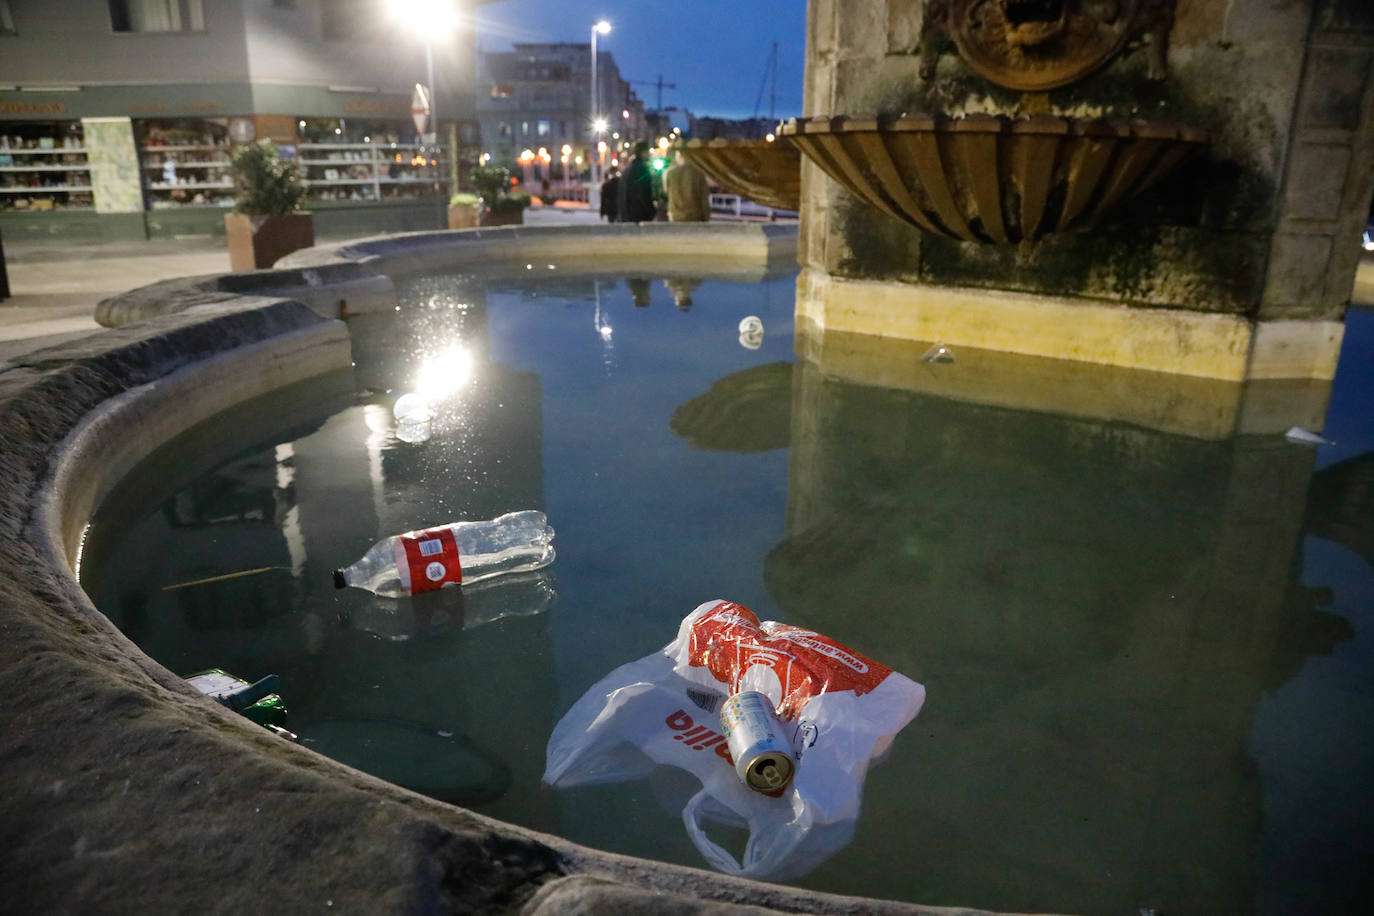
{"x": 355, "y": 276}
{"x": 637, "y": 248}
{"x": 125, "y": 791}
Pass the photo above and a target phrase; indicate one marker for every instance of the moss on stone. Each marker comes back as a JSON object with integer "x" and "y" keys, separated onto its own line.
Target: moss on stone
{"x": 1158, "y": 267}
{"x": 879, "y": 247}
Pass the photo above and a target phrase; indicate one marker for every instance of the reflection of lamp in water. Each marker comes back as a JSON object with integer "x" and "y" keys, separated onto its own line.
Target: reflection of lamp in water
{"x": 443, "y": 374}
{"x": 603, "y": 330}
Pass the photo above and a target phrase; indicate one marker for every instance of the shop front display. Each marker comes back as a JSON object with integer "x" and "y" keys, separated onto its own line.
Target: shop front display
{"x": 185, "y": 162}
{"x": 43, "y": 167}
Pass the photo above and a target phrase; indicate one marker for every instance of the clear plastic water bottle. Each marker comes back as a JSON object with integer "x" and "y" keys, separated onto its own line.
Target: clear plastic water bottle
{"x": 461, "y": 552}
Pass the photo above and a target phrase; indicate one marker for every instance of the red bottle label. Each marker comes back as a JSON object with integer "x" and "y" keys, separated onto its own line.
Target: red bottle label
{"x": 432, "y": 555}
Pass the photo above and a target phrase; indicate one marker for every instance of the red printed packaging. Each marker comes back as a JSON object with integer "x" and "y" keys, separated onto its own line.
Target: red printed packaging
{"x": 431, "y": 559}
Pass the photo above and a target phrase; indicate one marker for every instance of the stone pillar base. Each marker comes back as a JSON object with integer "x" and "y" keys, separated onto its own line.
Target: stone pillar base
{"x": 1206, "y": 345}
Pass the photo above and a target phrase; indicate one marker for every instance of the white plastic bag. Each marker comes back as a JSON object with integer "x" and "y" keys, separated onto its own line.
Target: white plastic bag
{"x": 841, "y": 708}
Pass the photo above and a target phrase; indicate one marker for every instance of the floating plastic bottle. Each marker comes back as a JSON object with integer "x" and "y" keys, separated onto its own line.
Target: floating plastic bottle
{"x": 939, "y": 353}
{"x": 461, "y": 552}
{"x": 751, "y": 332}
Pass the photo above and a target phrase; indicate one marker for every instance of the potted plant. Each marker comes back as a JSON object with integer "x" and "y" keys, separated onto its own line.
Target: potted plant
{"x": 464, "y": 211}
{"x": 502, "y": 206}
{"x": 265, "y": 225}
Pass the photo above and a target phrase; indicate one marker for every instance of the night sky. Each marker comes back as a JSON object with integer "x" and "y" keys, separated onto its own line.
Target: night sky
{"x": 716, "y": 51}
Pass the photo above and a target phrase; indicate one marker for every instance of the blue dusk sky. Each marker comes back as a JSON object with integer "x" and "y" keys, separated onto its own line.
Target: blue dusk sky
{"x": 716, "y": 51}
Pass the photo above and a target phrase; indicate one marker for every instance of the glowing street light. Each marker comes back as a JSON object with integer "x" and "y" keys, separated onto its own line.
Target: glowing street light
{"x": 428, "y": 19}
{"x": 601, "y": 27}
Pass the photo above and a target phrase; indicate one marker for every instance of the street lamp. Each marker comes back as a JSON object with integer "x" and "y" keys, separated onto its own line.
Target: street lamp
{"x": 428, "y": 19}
{"x": 601, "y": 27}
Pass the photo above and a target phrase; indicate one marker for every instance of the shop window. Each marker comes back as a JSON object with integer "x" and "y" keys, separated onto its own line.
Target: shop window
{"x": 543, "y": 128}
{"x": 157, "y": 16}
{"x": 6, "y": 20}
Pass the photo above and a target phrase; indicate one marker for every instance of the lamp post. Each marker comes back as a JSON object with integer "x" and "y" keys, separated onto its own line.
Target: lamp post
{"x": 429, "y": 18}
{"x": 598, "y": 124}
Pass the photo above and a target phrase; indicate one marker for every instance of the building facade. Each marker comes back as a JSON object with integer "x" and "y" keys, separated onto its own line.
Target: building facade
{"x": 538, "y": 97}
{"x": 117, "y": 117}
{"x": 708, "y": 128}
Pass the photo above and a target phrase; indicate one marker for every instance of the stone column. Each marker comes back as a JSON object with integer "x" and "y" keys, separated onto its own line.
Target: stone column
{"x": 1237, "y": 266}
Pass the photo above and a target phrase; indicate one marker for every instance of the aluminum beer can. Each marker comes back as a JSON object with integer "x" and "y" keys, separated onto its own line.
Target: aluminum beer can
{"x": 763, "y": 756}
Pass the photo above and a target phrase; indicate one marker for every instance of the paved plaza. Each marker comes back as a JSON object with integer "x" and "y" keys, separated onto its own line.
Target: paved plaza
{"x": 55, "y": 287}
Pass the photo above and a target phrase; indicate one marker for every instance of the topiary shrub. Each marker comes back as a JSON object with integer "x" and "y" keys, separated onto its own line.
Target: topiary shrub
{"x": 264, "y": 183}
{"x": 493, "y": 184}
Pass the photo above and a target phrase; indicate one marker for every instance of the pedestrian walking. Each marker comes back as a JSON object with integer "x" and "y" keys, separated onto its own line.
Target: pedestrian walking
{"x": 637, "y": 187}
{"x": 689, "y": 199}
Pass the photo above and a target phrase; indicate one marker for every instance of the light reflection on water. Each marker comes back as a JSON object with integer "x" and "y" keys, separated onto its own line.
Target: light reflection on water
{"x": 1147, "y": 672}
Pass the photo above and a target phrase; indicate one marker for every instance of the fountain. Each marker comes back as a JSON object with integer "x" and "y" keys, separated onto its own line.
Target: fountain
{"x": 765, "y": 171}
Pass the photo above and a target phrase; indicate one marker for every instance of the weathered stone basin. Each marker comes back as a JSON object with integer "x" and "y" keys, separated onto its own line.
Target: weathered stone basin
{"x": 125, "y": 789}
{"x": 765, "y": 171}
{"x": 990, "y": 178}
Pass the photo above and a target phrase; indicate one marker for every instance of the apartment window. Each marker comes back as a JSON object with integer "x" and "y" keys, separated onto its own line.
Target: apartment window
{"x": 503, "y": 129}
{"x": 543, "y": 128}
{"x": 524, "y": 128}
{"x": 157, "y": 16}
{"x": 6, "y": 20}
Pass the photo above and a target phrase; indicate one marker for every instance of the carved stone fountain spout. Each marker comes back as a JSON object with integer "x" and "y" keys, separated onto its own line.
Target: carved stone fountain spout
{"x": 764, "y": 171}
{"x": 986, "y": 178}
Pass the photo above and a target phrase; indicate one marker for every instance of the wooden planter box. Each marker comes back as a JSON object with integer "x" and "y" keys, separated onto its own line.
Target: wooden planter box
{"x": 503, "y": 218}
{"x": 468, "y": 217}
{"x": 260, "y": 241}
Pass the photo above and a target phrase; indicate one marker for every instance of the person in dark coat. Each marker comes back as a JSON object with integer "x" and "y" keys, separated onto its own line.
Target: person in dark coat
{"x": 637, "y": 188}
{"x": 610, "y": 196}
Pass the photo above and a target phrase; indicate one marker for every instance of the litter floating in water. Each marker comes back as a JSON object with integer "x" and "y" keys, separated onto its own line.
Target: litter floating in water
{"x": 1305, "y": 436}
{"x": 258, "y": 702}
{"x": 751, "y": 332}
{"x": 430, "y": 558}
{"x": 232, "y": 575}
{"x": 411, "y": 407}
{"x": 938, "y": 354}
{"x": 797, "y": 717}
{"x": 764, "y": 757}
